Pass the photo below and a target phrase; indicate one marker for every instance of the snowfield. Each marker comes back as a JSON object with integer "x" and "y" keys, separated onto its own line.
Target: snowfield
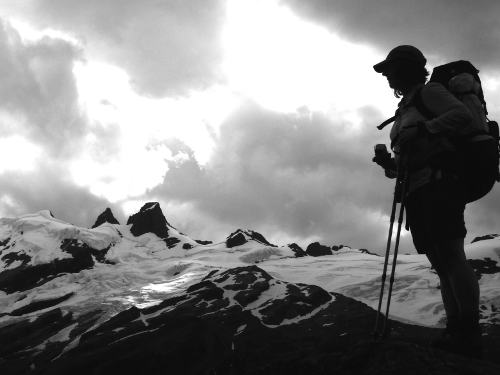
{"x": 142, "y": 271}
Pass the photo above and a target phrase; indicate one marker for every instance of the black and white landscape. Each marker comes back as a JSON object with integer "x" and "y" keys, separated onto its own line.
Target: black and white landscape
{"x": 142, "y": 297}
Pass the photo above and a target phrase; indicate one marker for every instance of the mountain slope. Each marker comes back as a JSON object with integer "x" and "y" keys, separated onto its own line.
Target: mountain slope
{"x": 118, "y": 297}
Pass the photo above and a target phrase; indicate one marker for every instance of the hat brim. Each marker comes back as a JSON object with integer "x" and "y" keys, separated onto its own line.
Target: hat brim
{"x": 381, "y": 66}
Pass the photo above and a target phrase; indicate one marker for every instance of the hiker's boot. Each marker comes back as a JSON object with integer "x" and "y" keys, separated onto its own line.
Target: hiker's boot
{"x": 465, "y": 340}
{"x": 470, "y": 341}
{"x": 446, "y": 337}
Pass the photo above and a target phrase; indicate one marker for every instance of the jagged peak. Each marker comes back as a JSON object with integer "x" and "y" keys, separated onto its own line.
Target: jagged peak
{"x": 105, "y": 217}
{"x": 149, "y": 219}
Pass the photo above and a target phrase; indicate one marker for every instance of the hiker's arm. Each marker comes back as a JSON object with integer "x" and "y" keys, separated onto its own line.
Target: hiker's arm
{"x": 451, "y": 113}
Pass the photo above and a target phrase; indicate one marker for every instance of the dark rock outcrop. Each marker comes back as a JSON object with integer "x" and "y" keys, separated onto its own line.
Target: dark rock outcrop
{"x": 27, "y": 276}
{"x": 484, "y": 266}
{"x": 149, "y": 219}
{"x": 236, "y": 239}
{"x": 171, "y": 241}
{"x": 259, "y": 238}
{"x": 83, "y": 253}
{"x": 365, "y": 251}
{"x": 19, "y": 352}
{"x": 339, "y": 247}
{"x": 201, "y": 242}
{"x": 316, "y": 249}
{"x": 40, "y": 305}
{"x": 105, "y": 217}
{"x": 299, "y": 252}
{"x": 19, "y": 337}
{"x": 485, "y": 237}
{"x": 10, "y": 258}
{"x": 5, "y": 242}
{"x": 241, "y": 237}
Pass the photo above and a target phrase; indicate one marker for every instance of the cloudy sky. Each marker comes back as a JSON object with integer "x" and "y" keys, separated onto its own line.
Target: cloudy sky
{"x": 256, "y": 114}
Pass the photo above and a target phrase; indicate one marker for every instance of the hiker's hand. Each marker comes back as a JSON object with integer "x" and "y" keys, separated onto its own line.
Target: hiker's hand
{"x": 408, "y": 134}
{"x": 384, "y": 160}
{"x": 383, "y": 157}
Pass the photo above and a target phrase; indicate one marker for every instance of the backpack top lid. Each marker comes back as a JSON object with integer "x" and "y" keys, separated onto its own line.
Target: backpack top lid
{"x": 444, "y": 73}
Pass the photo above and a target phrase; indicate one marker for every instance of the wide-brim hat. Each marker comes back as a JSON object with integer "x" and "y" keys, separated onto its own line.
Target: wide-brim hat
{"x": 401, "y": 53}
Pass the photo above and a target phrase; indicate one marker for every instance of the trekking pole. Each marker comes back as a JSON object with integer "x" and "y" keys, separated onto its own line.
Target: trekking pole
{"x": 385, "y": 331}
{"x": 388, "y": 247}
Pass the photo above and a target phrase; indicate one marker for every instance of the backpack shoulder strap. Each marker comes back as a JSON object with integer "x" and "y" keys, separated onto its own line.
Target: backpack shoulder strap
{"x": 421, "y": 107}
{"x": 419, "y": 104}
{"x": 386, "y": 122}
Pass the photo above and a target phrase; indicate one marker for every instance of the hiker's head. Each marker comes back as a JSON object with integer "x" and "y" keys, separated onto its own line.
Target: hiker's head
{"x": 404, "y": 68}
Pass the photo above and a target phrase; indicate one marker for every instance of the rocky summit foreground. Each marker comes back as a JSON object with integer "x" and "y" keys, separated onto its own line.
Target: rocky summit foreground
{"x": 239, "y": 321}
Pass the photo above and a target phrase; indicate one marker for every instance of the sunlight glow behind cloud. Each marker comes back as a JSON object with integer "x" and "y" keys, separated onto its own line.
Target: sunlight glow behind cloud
{"x": 18, "y": 154}
{"x": 30, "y": 34}
{"x": 285, "y": 63}
{"x": 108, "y": 97}
{"x": 142, "y": 124}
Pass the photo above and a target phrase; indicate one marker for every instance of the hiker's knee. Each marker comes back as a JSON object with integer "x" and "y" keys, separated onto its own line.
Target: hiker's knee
{"x": 435, "y": 261}
{"x": 448, "y": 256}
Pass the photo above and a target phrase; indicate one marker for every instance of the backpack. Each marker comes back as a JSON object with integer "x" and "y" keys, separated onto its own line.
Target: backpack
{"x": 478, "y": 144}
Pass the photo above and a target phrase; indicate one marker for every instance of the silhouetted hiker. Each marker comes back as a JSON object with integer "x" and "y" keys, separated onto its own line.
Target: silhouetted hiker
{"x": 435, "y": 201}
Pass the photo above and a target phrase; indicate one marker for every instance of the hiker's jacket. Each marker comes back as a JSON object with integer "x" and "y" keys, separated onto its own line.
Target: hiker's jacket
{"x": 422, "y": 155}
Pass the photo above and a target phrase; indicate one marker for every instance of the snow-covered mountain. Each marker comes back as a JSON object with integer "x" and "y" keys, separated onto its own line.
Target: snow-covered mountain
{"x": 71, "y": 296}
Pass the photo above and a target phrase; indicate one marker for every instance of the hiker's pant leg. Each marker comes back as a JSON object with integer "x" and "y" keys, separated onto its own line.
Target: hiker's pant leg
{"x": 435, "y": 213}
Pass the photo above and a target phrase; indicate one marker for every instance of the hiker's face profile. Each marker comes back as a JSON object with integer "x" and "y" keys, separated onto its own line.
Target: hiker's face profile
{"x": 393, "y": 75}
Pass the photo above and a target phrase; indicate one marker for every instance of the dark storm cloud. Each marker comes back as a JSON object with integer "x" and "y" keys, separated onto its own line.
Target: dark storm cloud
{"x": 302, "y": 175}
{"x": 167, "y": 47}
{"x": 448, "y": 29}
{"x": 38, "y": 91}
{"x": 48, "y": 188}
